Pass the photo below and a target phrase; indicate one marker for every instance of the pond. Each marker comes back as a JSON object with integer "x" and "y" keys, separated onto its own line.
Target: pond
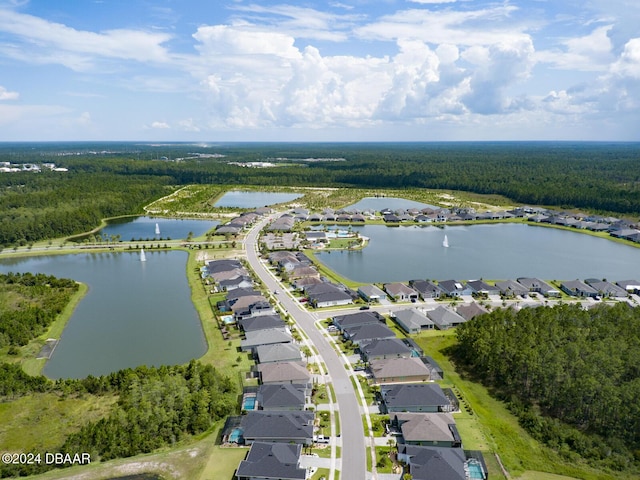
{"x": 145, "y": 228}
{"x": 496, "y": 251}
{"x": 135, "y": 313}
{"x": 247, "y": 199}
{"x": 378, "y": 203}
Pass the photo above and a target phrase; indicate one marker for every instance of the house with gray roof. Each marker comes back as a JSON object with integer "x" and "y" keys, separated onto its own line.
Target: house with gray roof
{"x": 400, "y": 292}
{"x": 284, "y": 372}
{"x": 241, "y": 281}
{"x": 412, "y": 320}
{"x": 263, "y": 322}
{"x": 365, "y": 317}
{"x": 425, "y": 288}
{"x": 365, "y": 333}
{"x": 280, "y": 427}
{"x": 414, "y": 397}
{"x": 303, "y": 283}
{"x": 536, "y": 285}
{"x": 254, "y": 309}
{"x": 631, "y": 286}
{"x": 327, "y": 295}
{"x": 511, "y": 288}
{"x": 426, "y": 429}
{"x": 392, "y": 370}
{"x": 453, "y": 288}
{"x": 371, "y": 293}
{"x": 284, "y": 396}
{"x": 383, "y": 348}
{"x": 471, "y": 310}
{"x": 278, "y": 352}
{"x": 434, "y": 463}
{"x": 482, "y": 287}
{"x": 444, "y": 318}
{"x": 606, "y": 289}
{"x": 272, "y": 461}
{"x": 577, "y": 288}
{"x": 270, "y": 336}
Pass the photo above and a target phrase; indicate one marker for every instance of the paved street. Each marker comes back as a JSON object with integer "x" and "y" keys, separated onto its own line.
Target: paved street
{"x": 351, "y": 429}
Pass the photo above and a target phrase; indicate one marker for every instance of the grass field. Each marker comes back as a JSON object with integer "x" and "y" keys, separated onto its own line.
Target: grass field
{"x": 491, "y": 428}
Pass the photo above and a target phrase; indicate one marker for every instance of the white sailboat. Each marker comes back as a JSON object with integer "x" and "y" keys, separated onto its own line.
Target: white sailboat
{"x": 143, "y": 257}
{"x": 157, "y": 229}
{"x": 445, "y": 242}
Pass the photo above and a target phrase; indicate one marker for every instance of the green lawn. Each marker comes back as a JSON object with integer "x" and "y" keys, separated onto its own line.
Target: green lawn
{"x": 492, "y": 428}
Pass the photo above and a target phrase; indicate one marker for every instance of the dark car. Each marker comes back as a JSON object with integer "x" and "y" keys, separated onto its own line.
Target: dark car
{"x": 365, "y": 307}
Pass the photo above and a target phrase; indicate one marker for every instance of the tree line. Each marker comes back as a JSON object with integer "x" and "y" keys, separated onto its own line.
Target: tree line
{"x": 156, "y": 407}
{"x": 571, "y": 375}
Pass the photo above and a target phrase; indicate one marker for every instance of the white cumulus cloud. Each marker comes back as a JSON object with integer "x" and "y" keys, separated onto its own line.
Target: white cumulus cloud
{"x": 160, "y": 125}
{"x": 7, "y": 95}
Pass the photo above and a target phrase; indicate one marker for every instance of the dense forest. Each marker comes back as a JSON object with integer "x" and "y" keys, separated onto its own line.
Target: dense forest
{"x": 156, "y": 407}
{"x": 29, "y": 303}
{"x": 571, "y": 375}
{"x": 120, "y": 180}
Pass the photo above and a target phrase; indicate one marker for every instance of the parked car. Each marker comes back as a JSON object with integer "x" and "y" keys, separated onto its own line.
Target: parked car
{"x": 364, "y": 307}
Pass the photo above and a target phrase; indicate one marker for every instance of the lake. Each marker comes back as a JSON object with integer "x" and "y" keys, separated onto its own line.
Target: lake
{"x": 144, "y": 227}
{"x": 496, "y": 251}
{"x": 135, "y": 313}
{"x": 248, "y": 199}
{"x": 378, "y": 203}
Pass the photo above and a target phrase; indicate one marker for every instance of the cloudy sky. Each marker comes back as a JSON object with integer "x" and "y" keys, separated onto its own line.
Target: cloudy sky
{"x": 343, "y": 70}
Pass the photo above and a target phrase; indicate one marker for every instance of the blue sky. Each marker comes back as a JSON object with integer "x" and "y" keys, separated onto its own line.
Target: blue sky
{"x": 344, "y": 70}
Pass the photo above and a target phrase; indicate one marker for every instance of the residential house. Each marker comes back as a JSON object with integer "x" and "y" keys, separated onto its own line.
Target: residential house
{"x": 278, "y": 352}
{"x": 272, "y": 461}
{"x": 483, "y": 288}
{"x": 425, "y": 288}
{"x": 280, "y": 427}
{"x": 606, "y": 289}
{"x": 285, "y": 396}
{"x": 327, "y": 295}
{"x": 392, "y": 370}
{"x": 631, "y": 286}
{"x": 453, "y": 288}
{"x": 371, "y": 293}
{"x": 284, "y": 372}
{"x": 359, "y": 334}
{"x": 511, "y": 288}
{"x": 414, "y": 397}
{"x": 263, "y": 322}
{"x": 383, "y": 348}
{"x": 471, "y": 310}
{"x": 254, "y": 309}
{"x": 536, "y": 285}
{"x": 426, "y": 429}
{"x": 269, "y": 336}
{"x": 400, "y": 292}
{"x": 241, "y": 281}
{"x": 578, "y": 288}
{"x": 444, "y": 318}
{"x": 365, "y": 317}
{"x": 412, "y": 320}
{"x": 435, "y": 463}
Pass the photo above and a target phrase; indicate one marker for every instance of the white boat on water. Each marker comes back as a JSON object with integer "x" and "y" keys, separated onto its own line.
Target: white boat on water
{"x": 445, "y": 242}
{"x": 143, "y": 257}
{"x": 157, "y": 229}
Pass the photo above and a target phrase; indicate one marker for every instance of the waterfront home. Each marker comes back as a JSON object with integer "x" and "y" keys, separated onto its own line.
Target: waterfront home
{"x": 383, "y": 348}
{"x": 365, "y": 317}
{"x": 578, "y": 288}
{"x": 280, "y": 397}
{"x": 272, "y": 461}
{"x": 536, "y": 285}
{"x": 631, "y": 286}
{"x": 453, "y": 288}
{"x": 253, "y": 309}
{"x": 511, "y": 288}
{"x": 304, "y": 283}
{"x": 359, "y": 334}
{"x": 392, "y": 370}
{"x": 241, "y": 281}
{"x": 425, "y": 288}
{"x": 471, "y": 310}
{"x": 263, "y": 322}
{"x": 278, "y": 352}
{"x": 280, "y": 427}
{"x": 412, "y": 320}
{"x": 371, "y": 293}
{"x": 400, "y": 292}
{"x": 426, "y": 429}
{"x": 606, "y": 289}
{"x": 284, "y": 372}
{"x": 414, "y": 397}
{"x": 482, "y": 287}
{"x": 444, "y": 318}
{"x": 264, "y": 337}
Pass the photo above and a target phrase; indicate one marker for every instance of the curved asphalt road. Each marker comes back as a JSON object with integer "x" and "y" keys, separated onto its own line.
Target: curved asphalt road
{"x": 354, "y": 466}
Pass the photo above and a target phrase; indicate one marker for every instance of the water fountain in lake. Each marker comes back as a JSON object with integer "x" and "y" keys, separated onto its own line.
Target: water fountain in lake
{"x": 143, "y": 257}
{"x": 445, "y": 242}
{"x": 157, "y": 229}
